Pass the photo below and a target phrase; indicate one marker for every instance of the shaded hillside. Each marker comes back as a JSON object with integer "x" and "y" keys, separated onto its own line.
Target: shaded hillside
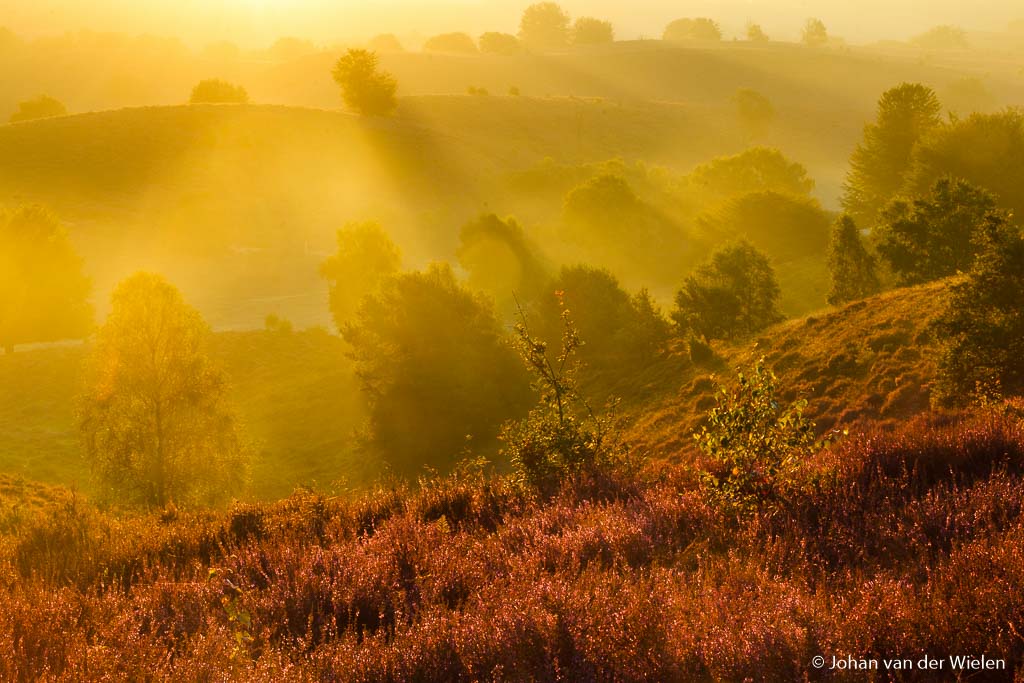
{"x": 870, "y": 362}
{"x": 294, "y": 391}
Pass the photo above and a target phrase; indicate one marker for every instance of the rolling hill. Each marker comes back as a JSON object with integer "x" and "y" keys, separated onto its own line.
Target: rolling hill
{"x": 866, "y": 363}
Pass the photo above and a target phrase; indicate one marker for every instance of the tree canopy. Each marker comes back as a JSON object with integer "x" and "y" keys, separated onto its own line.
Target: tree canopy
{"x": 43, "y": 291}
{"x": 591, "y": 31}
{"x": 880, "y": 163}
{"x": 851, "y": 265}
{"x": 502, "y": 261}
{"x": 216, "y": 91}
{"x": 733, "y": 295}
{"x": 986, "y": 150}
{"x": 41, "y": 107}
{"x": 364, "y": 88}
{"x": 757, "y": 169}
{"x": 366, "y": 256}
{"x": 933, "y": 236}
{"x": 438, "y": 372}
{"x": 814, "y": 34}
{"x": 155, "y": 419}
{"x": 504, "y": 44}
{"x": 544, "y": 26}
{"x": 700, "y": 28}
{"x": 982, "y": 328}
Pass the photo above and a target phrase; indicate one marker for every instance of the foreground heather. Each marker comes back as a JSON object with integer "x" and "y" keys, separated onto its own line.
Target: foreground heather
{"x": 908, "y": 545}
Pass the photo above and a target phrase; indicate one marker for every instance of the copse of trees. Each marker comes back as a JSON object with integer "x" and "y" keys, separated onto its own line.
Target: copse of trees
{"x": 43, "y": 290}
{"x": 154, "y": 418}
{"x": 591, "y": 31}
{"x": 364, "y": 88}
{"x": 982, "y": 328}
{"x": 437, "y": 370}
{"x": 850, "y": 264}
{"x": 365, "y": 258}
{"x": 733, "y": 295}
{"x": 756, "y": 169}
{"x": 41, "y": 107}
{"x": 756, "y": 34}
{"x": 814, "y": 33}
{"x": 934, "y": 236}
{"x": 880, "y": 163}
{"x": 624, "y": 333}
{"x": 544, "y": 26}
{"x": 504, "y": 44}
{"x": 216, "y": 91}
{"x": 700, "y": 28}
{"x": 453, "y": 43}
{"x": 986, "y": 150}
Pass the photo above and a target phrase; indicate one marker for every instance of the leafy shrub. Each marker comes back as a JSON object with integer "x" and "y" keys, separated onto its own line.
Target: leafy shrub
{"x": 753, "y": 442}
{"x": 216, "y": 91}
{"x": 555, "y": 442}
{"x": 41, "y": 107}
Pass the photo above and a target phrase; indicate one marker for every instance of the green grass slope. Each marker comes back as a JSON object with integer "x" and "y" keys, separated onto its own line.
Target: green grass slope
{"x": 295, "y": 394}
{"x": 868, "y": 363}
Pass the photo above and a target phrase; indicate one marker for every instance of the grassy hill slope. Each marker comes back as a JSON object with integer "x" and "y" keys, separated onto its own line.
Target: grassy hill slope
{"x": 294, "y": 391}
{"x": 868, "y": 363}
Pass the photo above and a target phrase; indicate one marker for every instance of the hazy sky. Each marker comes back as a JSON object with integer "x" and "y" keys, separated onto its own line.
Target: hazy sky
{"x": 258, "y": 22}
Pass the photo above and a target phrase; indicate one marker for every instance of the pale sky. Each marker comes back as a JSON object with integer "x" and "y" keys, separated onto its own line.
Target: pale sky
{"x": 258, "y": 22}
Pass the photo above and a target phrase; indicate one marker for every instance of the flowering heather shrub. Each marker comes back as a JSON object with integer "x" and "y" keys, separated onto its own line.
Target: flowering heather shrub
{"x": 891, "y": 544}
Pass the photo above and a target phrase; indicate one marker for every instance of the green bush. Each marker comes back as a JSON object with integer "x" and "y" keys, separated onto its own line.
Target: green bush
{"x": 563, "y": 436}
{"x": 753, "y": 442}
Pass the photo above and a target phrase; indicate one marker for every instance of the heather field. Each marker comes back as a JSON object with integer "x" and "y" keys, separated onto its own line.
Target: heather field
{"x": 418, "y": 341}
{"x": 909, "y": 542}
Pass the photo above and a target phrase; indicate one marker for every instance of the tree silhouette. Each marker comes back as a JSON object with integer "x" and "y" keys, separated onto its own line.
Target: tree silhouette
{"x": 880, "y": 163}
{"x": 814, "y": 34}
{"x": 756, "y": 34}
{"x": 591, "y": 31}
{"x": 544, "y": 26}
{"x": 43, "y": 292}
{"x": 852, "y": 266}
{"x": 365, "y": 89}
{"x": 700, "y": 28}
{"x": 436, "y": 369}
{"x": 500, "y": 44}
{"x": 733, "y": 295}
{"x": 982, "y": 328}
{"x": 216, "y": 91}
{"x": 155, "y": 419}
{"x": 932, "y": 237}
{"x": 41, "y": 107}
{"x": 986, "y": 150}
{"x": 365, "y": 257}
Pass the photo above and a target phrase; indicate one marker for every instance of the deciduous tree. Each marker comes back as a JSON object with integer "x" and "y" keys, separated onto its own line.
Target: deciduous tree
{"x": 43, "y": 291}
{"x": 155, "y": 419}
